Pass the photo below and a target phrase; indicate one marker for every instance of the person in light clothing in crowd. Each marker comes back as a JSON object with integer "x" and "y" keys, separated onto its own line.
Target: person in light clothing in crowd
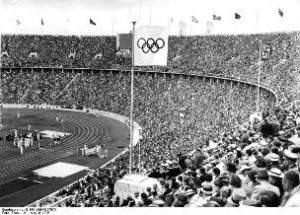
{"x": 237, "y": 196}
{"x": 290, "y": 160}
{"x": 203, "y": 197}
{"x": 275, "y": 178}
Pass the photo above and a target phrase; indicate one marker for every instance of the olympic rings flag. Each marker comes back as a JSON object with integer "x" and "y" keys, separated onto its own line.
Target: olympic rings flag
{"x": 151, "y": 46}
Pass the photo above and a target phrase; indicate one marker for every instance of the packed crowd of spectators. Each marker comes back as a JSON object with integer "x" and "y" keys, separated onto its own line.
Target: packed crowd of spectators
{"x": 252, "y": 165}
{"x": 231, "y": 56}
{"x": 197, "y": 139}
{"x": 162, "y": 104}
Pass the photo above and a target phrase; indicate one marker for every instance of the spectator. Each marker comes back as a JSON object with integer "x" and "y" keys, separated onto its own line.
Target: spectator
{"x": 203, "y": 197}
{"x": 216, "y": 173}
{"x": 149, "y": 192}
{"x": 243, "y": 173}
{"x": 136, "y": 197}
{"x": 237, "y": 196}
{"x": 146, "y": 201}
{"x": 268, "y": 199}
{"x": 262, "y": 178}
{"x": 289, "y": 161}
{"x": 235, "y": 182}
{"x": 170, "y": 197}
{"x": 275, "y": 178}
{"x": 181, "y": 200}
{"x": 291, "y": 185}
{"x": 155, "y": 173}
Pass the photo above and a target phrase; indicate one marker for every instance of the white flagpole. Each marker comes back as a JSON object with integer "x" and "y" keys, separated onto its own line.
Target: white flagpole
{"x": 259, "y": 73}
{"x": 234, "y": 25}
{"x": 131, "y": 102}
{"x": 42, "y": 24}
{"x": 17, "y": 26}
{"x": 150, "y": 12}
{"x": 67, "y": 26}
{"x": 140, "y": 10}
{"x": 129, "y": 14}
{"x": 256, "y": 24}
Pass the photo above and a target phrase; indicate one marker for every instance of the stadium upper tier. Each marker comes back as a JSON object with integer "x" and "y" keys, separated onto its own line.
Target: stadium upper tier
{"x": 218, "y": 55}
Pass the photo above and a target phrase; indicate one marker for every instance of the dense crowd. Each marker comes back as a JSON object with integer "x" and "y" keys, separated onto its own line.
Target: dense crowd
{"x": 252, "y": 165}
{"x": 198, "y": 139}
{"x": 162, "y": 104}
{"x": 232, "y": 56}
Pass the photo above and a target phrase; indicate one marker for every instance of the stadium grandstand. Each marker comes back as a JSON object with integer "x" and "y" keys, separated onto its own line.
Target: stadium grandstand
{"x": 218, "y": 126}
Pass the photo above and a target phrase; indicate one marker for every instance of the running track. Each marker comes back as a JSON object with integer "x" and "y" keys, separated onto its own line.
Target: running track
{"x": 84, "y": 129}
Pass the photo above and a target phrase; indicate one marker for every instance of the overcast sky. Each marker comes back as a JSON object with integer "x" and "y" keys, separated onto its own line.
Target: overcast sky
{"x": 115, "y": 16}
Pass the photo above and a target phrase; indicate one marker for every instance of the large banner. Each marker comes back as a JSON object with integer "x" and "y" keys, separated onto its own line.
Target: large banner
{"x": 151, "y": 46}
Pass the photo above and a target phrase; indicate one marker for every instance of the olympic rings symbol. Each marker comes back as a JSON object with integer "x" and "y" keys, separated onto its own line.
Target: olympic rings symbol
{"x": 150, "y": 44}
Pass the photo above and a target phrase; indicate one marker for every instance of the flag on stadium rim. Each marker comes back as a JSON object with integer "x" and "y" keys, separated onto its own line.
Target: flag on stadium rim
{"x": 194, "y": 19}
{"x": 151, "y": 46}
{"x": 215, "y": 17}
{"x": 266, "y": 51}
{"x": 18, "y": 22}
{"x": 237, "y": 16}
{"x": 280, "y": 12}
{"x": 92, "y": 22}
{"x": 42, "y": 21}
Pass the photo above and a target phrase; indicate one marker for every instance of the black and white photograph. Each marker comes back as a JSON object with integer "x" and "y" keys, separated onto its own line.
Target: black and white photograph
{"x": 149, "y": 103}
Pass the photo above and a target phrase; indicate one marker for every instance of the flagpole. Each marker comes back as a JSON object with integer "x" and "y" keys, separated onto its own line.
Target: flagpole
{"x": 67, "y": 26}
{"x": 129, "y": 14}
{"x": 234, "y": 25}
{"x": 140, "y": 10}
{"x": 169, "y": 24}
{"x": 113, "y": 27}
{"x": 150, "y": 11}
{"x": 259, "y": 73}
{"x": 256, "y": 24}
{"x": 131, "y": 102}
{"x": 278, "y": 22}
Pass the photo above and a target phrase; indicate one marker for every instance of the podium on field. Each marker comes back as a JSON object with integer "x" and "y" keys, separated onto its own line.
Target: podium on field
{"x": 133, "y": 183}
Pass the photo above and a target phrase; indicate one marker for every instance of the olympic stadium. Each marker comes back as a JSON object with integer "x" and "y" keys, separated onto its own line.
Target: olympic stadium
{"x": 207, "y": 120}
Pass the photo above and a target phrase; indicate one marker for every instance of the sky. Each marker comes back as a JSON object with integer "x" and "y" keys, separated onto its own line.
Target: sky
{"x": 71, "y": 17}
